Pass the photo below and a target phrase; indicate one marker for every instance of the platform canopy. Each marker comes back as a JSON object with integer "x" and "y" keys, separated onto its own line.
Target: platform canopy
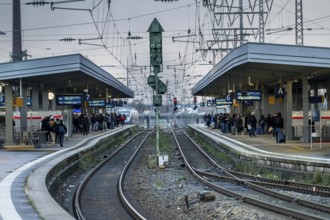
{"x": 265, "y": 65}
{"x": 64, "y": 74}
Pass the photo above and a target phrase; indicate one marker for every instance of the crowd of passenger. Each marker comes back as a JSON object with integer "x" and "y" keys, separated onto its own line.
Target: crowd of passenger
{"x": 96, "y": 122}
{"x": 247, "y": 124}
{"x": 81, "y": 123}
{"x": 55, "y": 130}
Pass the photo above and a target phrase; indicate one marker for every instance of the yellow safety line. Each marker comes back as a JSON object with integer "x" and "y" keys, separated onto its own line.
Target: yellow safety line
{"x": 299, "y": 148}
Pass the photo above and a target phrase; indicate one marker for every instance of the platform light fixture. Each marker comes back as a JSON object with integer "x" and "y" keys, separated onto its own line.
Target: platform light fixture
{"x": 250, "y": 83}
{"x": 51, "y": 95}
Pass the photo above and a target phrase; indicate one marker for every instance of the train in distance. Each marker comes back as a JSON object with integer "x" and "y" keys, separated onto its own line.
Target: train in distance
{"x": 132, "y": 115}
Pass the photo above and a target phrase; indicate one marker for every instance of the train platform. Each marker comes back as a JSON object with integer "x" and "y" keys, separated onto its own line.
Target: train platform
{"x": 15, "y": 166}
{"x": 291, "y": 157}
{"x": 266, "y": 143}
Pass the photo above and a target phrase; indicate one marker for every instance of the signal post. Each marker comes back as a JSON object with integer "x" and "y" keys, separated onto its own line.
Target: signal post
{"x": 156, "y": 64}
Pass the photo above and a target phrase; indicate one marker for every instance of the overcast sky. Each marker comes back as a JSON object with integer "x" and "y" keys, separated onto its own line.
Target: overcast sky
{"x": 43, "y": 29}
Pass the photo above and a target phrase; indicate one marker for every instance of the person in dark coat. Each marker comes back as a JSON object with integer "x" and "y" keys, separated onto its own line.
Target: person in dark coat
{"x": 262, "y": 123}
{"x": 45, "y": 128}
{"x": 61, "y": 130}
{"x": 85, "y": 125}
{"x": 252, "y": 121}
{"x": 268, "y": 123}
{"x": 278, "y": 126}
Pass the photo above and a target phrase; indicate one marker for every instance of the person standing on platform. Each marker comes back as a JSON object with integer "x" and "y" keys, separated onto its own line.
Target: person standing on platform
{"x": 52, "y": 130}
{"x": 85, "y": 125}
{"x": 268, "y": 123}
{"x": 252, "y": 124}
{"x": 45, "y": 128}
{"x": 61, "y": 130}
{"x": 239, "y": 124}
{"x": 278, "y": 126}
{"x": 262, "y": 123}
{"x": 57, "y": 122}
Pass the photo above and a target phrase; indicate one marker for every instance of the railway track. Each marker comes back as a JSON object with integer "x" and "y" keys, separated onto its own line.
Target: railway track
{"x": 231, "y": 184}
{"x": 312, "y": 189}
{"x": 101, "y": 195}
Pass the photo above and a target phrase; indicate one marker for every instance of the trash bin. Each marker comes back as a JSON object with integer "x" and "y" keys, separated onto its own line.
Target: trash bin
{"x": 39, "y": 139}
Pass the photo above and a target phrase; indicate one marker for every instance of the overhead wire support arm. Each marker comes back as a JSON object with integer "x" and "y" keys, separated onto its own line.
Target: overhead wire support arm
{"x": 215, "y": 49}
{"x": 139, "y": 67}
{"x": 90, "y": 39}
{"x": 235, "y": 13}
{"x": 224, "y": 40}
{"x": 99, "y": 45}
{"x": 227, "y": 29}
{"x": 73, "y": 9}
{"x": 173, "y": 66}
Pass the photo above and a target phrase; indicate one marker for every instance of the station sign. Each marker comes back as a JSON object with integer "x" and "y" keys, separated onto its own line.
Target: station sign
{"x": 76, "y": 110}
{"x": 69, "y": 100}
{"x": 250, "y": 95}
{"x": 96, "y": 102}
{"x": 115, "y": 103}
{"x": 2, "y": 100}
{"x": 210, "y": 102}
{"x": 228, "y": 100}
{"x": 316, "y": 99}
{"x": 280, "y": 93}
{"x": 316, "y": 115}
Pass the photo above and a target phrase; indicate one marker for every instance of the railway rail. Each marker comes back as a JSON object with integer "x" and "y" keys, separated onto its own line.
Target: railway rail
{"x": 232, "y": 185}
{"x": 100, "y": 195}
{"x": 312, "y": 189}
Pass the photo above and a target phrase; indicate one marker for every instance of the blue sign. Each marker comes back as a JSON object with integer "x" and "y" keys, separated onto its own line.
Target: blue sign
{"x": 69, "y": 100}
{"x": 77, "y": 110}
{"x": 228, "y": 100}
{"x": 110, "y": 105}
{"x": 96, "y": 102}
{"x": 210, "y": 102}
{"x": 28, "y": 101}
{"x": 280, "y": 93}
{"x": 251, "y": 95}
{"x": 316, "y": 115}
{"x": 2, "y": 100}
{"x": 316, "y": 99}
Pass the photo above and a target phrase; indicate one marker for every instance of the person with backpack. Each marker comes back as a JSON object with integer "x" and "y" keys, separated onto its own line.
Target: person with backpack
{"x": 61, "y": 131}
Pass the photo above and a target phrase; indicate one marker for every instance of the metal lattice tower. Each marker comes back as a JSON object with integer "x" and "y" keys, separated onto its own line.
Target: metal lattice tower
{"x": 236, "y": 22}
{"x": 299, "y": 24}
{"x": 17, "y": 32}
{"x": 261, "y": 22}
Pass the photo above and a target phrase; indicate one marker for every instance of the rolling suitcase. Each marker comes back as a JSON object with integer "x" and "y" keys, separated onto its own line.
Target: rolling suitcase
{"x": 281, "y": 137}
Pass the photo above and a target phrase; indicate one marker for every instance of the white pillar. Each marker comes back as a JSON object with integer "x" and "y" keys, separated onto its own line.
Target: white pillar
{"x": 306, "y": 132}
{"x": 9, "y": 115}
{"x": 288, "y": 110}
